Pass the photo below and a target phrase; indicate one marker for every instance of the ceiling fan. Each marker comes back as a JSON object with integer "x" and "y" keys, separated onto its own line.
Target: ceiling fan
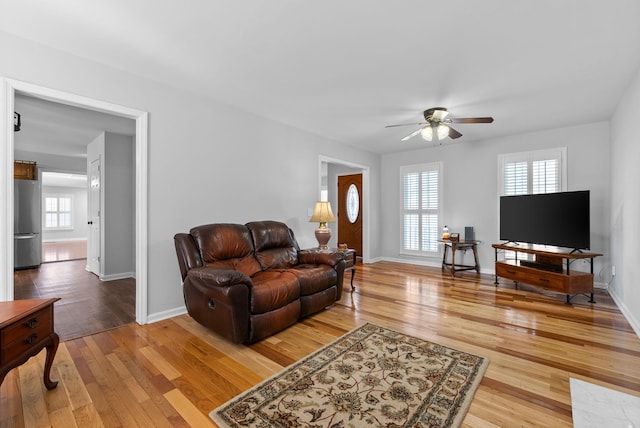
{"x": 438, "y": 124}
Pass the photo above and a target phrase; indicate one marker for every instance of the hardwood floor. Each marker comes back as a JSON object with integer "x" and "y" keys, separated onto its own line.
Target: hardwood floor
{"x": 87, "y": 305}
{"x": 57, "y": 251}
{"x": 174, "y": 372}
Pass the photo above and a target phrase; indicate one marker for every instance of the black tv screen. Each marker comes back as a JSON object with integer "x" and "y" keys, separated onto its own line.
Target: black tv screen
{"x": 559, "y": 219}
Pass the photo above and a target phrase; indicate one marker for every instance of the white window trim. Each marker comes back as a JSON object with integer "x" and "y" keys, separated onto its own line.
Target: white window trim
{"x": 559, "y": 152}
{"x": 529, "y": 157}
{"x": 44, "y": 210}
{"x": 419, "y": 168}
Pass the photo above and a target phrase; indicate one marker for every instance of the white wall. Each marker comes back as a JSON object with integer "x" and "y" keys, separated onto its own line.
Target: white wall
{"x": 470, "y": 186}
{"x": 49, "y": 162}
{"x": 118, "y": 174}
{"x": 79, "y": 215}
{"x": 624, "y": 226}
{"x": 208, "y": 162}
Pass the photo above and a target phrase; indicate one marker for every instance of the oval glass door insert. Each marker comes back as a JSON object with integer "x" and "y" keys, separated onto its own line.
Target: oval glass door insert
{"x": 353, "y": 203}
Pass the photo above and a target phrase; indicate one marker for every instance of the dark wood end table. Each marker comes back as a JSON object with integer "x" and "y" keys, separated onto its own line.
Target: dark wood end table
{"x": 26, "y": 328}
{"x": 455, "y": 246}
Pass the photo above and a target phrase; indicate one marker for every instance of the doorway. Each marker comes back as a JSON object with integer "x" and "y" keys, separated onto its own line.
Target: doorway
{"x": 329, "y": 171}
{"x": 11, "y": 87}
{"x": 350, "y": 211}
{"x": 64, "y": 215}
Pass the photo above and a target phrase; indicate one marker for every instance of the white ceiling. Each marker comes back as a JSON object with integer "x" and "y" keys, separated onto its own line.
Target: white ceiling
{"x": 58, "y": 179}
{"x": 344, "y": 69}
{"x": 54, "y": 128}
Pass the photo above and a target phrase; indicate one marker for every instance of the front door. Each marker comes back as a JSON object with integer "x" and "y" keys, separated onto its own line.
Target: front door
{"x": 350, "y": 211}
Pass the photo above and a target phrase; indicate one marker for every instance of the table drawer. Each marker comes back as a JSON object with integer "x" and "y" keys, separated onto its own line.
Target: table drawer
{"x": 25, "y": 333}
{"x": 548, "y": 280}
{"x": 350, "y": 258}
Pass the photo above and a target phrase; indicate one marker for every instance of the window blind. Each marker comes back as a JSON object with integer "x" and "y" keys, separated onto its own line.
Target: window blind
{"x": 421, "y": 208}
{"x": 57, "y": 213}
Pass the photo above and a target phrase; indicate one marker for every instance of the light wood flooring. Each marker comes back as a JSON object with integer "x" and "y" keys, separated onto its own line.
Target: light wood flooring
{"x": 174, "y": 372}
{"x": 56, "y": 251}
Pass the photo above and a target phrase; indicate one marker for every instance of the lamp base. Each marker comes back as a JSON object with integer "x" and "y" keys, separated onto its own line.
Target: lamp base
{"x": 323, "y": 234}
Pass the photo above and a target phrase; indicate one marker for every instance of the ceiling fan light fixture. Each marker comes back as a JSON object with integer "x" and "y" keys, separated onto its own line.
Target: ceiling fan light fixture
{"x": 427, "y": 133}
{"x": 442, "y": 131}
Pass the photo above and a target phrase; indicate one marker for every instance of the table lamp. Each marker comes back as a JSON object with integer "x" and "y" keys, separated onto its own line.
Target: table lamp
{"x": 322, "y": 214}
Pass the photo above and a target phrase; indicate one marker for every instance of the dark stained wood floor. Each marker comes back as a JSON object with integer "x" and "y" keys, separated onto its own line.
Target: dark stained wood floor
{"x": 87, "y": 305}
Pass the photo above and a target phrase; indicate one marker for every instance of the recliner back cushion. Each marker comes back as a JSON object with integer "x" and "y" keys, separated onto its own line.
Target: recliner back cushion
{"x": 226, "y": 246}
{"x": 275, "y": 246}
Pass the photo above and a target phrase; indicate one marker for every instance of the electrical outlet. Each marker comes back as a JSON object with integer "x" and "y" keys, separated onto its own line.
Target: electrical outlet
{"x": 613, "y": 270}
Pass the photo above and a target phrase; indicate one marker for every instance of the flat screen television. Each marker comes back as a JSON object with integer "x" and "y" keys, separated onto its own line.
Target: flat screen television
{"x": 560, "y": 219}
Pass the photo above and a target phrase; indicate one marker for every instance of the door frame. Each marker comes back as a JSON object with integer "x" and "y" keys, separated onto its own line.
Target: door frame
{"x": 9, "y": 89}
{"x": 365, "y": 197}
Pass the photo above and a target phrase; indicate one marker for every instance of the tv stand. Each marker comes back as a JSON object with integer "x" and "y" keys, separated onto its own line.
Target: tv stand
{"x": 547, "y": 271}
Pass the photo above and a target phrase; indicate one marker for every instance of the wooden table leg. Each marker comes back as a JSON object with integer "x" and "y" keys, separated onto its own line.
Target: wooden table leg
{"x": 52, "y": 347}
{"x": 475, "y": 257}
{"x": 444, "y": 257}
{"x": 453, "y": 260}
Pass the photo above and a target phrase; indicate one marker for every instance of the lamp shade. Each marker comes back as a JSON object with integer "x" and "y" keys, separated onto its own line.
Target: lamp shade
{"x": 427, "y": 133}
{"x": 441, "y": 131}
{"x": 322, "y": 213}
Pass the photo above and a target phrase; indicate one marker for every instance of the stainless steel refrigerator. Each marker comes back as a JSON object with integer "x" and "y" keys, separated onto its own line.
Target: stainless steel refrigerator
{"x": 27, "y": 224}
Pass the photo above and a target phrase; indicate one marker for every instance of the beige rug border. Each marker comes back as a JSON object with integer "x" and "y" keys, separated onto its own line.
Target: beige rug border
{"x": 457, "y": 421}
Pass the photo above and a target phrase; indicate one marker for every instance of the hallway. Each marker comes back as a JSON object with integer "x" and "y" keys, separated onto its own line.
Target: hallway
{"x": 87, "y": 305}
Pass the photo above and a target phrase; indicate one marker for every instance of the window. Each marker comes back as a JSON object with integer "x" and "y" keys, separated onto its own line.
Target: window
{"x": 57, "y": 212}
{"x": 542, "y": 171}
{"x": 524, "y": 173}
{"x": 420, "y": 208}
{"x": 353, "y": 203}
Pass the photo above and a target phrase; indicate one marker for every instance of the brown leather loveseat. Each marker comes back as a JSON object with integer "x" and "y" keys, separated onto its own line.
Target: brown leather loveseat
{"x": 247, "y": 282}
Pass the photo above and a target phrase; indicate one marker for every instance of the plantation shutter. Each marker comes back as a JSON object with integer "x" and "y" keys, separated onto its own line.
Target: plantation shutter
{"x": 532, "y": 172}
{"x": 420, "y": 208}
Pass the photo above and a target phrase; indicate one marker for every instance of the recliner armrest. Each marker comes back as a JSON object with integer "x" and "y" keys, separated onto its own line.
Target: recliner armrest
{"x": 326, "y": 257}
{"x": 219, "y": 277}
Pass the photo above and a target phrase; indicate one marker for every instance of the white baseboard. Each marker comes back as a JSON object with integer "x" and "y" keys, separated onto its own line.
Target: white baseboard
{"x": 170, "y": 313}
{"x": 436, "y": 263}
{"x": 116, "y": 276}
{"x": 64, "y": 240}
{"x": 635, "y": 323}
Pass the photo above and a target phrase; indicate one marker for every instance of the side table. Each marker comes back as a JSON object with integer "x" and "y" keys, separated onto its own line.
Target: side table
{"x": 350, "y": 258}
{"x": 26, "y": 327}
{"x": 455, "y": 246}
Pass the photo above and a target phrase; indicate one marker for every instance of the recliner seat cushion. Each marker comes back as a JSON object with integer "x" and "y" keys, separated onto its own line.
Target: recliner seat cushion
{"x": 272, "y": 290}
{"x": 314, "y": 278}
{"x": 226, "y": 246}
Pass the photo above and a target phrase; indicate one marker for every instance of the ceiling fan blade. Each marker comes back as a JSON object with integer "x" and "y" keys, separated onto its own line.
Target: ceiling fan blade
{"x": 406, "y": 124}
{"x": 471, "y": 119}
{"x": 453, "y": 134}
{"x": 413, "y": 134}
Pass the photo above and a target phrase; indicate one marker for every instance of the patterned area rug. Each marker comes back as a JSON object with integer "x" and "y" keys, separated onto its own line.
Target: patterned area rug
{"x": 373, "y": 377}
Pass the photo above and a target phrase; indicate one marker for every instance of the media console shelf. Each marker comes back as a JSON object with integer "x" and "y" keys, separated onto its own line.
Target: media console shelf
{"x": 550, "y": 270}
